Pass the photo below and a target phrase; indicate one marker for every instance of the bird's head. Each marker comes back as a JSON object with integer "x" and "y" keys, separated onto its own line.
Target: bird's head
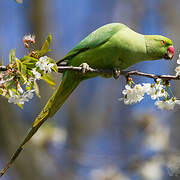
{"x": 168, "y": 48}
{"x": 159, "y": 47}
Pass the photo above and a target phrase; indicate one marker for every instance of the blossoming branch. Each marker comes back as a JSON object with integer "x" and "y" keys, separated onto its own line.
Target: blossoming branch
{"x": 159, "y": 91}
{"x": 18, "y": 79}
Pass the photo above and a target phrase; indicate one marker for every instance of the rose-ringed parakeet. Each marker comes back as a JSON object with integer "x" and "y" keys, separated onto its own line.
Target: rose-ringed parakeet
{"x": 113, "y": 46}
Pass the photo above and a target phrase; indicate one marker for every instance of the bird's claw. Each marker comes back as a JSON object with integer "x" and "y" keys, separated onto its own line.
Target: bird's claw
{"x": 116, "y": 73}
{"x": 85, "y": 67}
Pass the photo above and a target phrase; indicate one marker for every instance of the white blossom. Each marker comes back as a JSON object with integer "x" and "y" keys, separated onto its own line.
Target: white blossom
{"x": 136, "y": 94}
{"x": 149, "y": 89}
{"x": 59, "y": 135}
{"x": 152, "y": 169}
{"x": 36, "y": 74}
{"x": 133, "y": 95}
{"x": 51, "y": 134}
{"x": 106, "y": 173}
{"x": 2, "y": 81}
{"x": 14, "y": 98}
{"x": 49, "y": 67}
{"x": 157, "y": 137}
{"x": 29, "y": 81}
{"x": 155, "y": 90}
{"x": 173, "y": 165}
{"x": 44, "y": 64}
{"x": 167, "y": 104}
{"x": 177, "y": 69}
{"x": 28, "y": 94}
{"x": 178, "y": 60}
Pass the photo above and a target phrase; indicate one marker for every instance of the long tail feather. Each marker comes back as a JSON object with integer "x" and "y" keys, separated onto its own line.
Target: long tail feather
{"x": 68, "y": 84}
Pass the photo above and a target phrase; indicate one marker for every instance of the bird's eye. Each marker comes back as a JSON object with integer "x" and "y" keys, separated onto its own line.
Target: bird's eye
{"x": 163, "y": 42}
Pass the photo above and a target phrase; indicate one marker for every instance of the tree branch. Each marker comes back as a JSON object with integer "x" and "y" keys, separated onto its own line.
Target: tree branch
{"x": 110, "y": 72}
{"x": 123, "y": 73}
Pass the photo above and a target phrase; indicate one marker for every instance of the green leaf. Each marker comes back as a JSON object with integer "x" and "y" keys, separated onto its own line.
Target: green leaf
{"x": 47, "y": 43}
{"x": 55, "y": 69}
{"x": 30, "y": 85}
{"x": 23, "y": 78}
{"x": 48, "y": 78}
{"x": 29, "y": 72}
{"x": 1, "y": 91}
{"x": 10, "y": 84}
{"x": 30, "y": 65}
{"x": 27, "y": 59}
{"x": 20, "y": 105}
{"x": 45, "y": 47}
{"x": 30, "y": 62}
{"x": 18, "y": 63}
{"x": 12, "y": 56}
{"x": 23, "y": 69}
{"x": 36, "y": 87}
{"x": 19, "y": 1}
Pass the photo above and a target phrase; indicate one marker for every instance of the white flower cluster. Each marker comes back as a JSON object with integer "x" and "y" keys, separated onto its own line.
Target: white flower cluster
{"x": 20, "y": 99}
{"x": 44, "y": 65}
{"x": 167, "y": 104}
{"x": 158, "y": 91}
{"x": 133, "y": 94}
{"x": 18, "y": 78}
{"x": 18, "y": 88}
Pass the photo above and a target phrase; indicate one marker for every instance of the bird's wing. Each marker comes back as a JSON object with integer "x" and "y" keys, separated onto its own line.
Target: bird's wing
{"x": 93, "y": 40}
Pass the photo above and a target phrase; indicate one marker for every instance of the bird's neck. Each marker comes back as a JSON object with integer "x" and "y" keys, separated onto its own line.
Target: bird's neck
{"x": 151, "y": 44}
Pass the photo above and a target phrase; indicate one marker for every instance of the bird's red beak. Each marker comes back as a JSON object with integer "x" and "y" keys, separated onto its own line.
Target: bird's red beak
{"x": 171, "y": 52}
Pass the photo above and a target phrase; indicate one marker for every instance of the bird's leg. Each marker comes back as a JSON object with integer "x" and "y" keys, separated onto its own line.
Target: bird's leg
{"x": 116, "y": 73}
{"x": 85, "y": 67}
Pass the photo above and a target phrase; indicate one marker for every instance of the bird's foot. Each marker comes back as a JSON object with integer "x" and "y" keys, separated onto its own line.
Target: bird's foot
{"x": 116, "y": 73}
{"x": 85, "y": 67}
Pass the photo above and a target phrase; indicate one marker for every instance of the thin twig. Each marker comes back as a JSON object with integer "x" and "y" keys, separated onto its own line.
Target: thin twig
{"x": 61, "y": 69}
{"x": 153, "y": 76}
{"x": 123, "y": 73}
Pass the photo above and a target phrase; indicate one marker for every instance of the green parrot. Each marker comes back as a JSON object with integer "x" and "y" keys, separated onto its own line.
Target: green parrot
{"x": 112, "y": 46}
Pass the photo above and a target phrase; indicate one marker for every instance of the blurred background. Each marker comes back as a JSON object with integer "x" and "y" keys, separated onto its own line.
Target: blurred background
{"x": 94, "y": 136}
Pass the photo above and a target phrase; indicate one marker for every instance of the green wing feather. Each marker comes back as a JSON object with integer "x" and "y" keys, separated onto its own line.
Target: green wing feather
{"x": 93, "y": 40}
